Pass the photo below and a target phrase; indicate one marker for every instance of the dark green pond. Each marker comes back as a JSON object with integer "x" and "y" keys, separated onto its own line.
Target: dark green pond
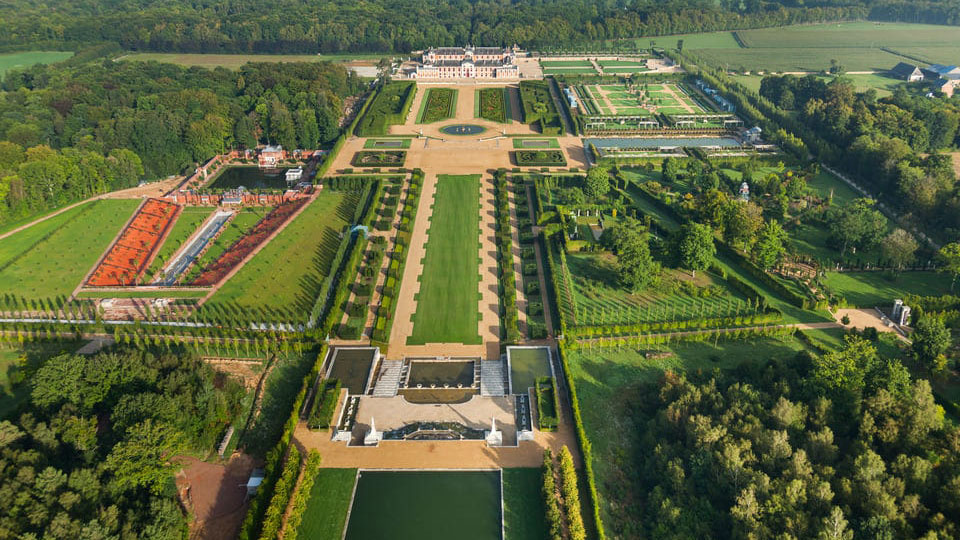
{"x": 526, "y": 364}
{"x": 426, "y": 505}
{"x": 440, "y": 373}
{"x": 462, "y": 129}
{"x": 352, "y": 367}
{"x": 251, "y": 178}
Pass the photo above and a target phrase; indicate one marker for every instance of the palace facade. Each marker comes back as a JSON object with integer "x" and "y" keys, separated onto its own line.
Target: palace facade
{"x": 468, "y": 63}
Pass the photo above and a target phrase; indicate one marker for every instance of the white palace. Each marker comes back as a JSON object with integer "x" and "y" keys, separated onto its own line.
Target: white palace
{"x": 468, "y": 63}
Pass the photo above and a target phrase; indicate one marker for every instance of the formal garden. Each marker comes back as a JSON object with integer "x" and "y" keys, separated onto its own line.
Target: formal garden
{"x": 389, "y": 106}
{"x": 378, "y": 158}
{"x": 539, "y": 158}
{"x": 438, "y": 104}
{"x": 539, "y": 109}
{"x": 493, "y": 104}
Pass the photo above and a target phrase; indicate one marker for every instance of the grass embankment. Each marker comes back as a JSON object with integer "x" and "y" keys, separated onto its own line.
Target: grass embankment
{"x": 326, "y": 513}
{"x": 52, "y": 260}
{"x": 448, "y": 301}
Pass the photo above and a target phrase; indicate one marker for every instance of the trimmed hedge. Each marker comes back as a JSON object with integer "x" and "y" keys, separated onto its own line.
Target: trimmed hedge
{"x": 551, "y": 500}
{"x": 324, "y": 404}
{"x": 273, "y": 518}
{"x": 571, "y": 496}
{"x": 389, "y": 106}
{"x": 302, "y": 496}
{"x": 548, "y": 404}
{"x": 539, "y": 158}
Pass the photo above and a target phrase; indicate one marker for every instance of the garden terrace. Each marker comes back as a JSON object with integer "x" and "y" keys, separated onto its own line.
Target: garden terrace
{"x": 378, "y": 158}
{"x": 130, "y": 255}
{"x": 438, "y": 104}
{"x": 217, "y": 270}
{"x": 539, "y": 158}
{"x": 492, "y": 104}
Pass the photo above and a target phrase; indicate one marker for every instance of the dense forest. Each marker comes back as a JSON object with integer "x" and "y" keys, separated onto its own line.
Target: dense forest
{"x": 890, "y": 144}
{"x": 91, "y": 455}
{"x": 69, "y": 132}
{"x": 844, "y": 445}
{"x": 243, "y": 26}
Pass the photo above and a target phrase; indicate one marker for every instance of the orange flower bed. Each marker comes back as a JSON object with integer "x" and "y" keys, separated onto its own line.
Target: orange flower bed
{"x": 129, "y": 255}
{"x": 230, "y": 258}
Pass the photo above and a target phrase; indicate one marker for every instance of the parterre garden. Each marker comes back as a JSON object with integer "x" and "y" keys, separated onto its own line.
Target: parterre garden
{"x": 378, "y": 158}
{"x": 539, "y": 109}
{"x": 438, "y": 104}
{"x": 492, "y": 104}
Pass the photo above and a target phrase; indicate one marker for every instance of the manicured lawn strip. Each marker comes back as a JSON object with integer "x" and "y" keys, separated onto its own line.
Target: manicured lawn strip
{"x": 21, "y": 242}
{"x": 29, "y": 58}
{"x": 565, "y": 63}
{"x": 391, "y": 144}
{"x": 870, "y": 289}
{"x": 563, "y": 71}
{"x": 447, "y": 304}
{"x": 190, "y": 219}
{"x": 523, "y": 507}
{"x": 241, "y": 223}
{"x": 289, "y": 270}
{"x": 56, "y": 265}
{"x": 524, "y": 142}
{"x": 326, "y": 513}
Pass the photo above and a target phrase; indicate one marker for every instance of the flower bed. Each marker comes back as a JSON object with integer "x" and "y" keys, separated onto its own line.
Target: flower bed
{"x": 247, "y": 243}
{"x": 492, "y": 106}
{"x": 128, "y": 257}
{"x": 539, "y": 158}
{"x": 439, "y": 105}
{"x": 375, "y": 158}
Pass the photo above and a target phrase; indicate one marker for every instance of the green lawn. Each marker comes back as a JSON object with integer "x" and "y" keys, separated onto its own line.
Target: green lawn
{"x": 569, "y": 71}
{"x": 523, "y": 508}
{"x": 191, "y": 217}
{"x": 808, "y": 59}
{"x": 56, "y": 265}
{"x": 565, "y": 63}
{"x": 869, "y": 289}
{"x": 29, "y": 58}
{"x": 289, "y": 271}
{"x": 241, "y": 223}
{"x": 447, "y": 304}
{"x": 852, "y": 35}
{"x": 23, "y": 241}
{"x": 326, "y": 512}
{"x": 234, "y": 61}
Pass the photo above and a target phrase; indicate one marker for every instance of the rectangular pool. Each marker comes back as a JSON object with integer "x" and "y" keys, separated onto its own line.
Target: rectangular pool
{"x": 426, "y": 505}
{"x": 526, "y": 364}
{"x": 352, "y": 366}
{"x": 440, "y": 374}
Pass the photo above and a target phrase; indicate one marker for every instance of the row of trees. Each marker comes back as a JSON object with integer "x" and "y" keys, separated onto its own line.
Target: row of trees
{"x": 67, "y": 132}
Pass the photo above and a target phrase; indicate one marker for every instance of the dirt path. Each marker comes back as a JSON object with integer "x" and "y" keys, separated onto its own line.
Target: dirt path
{"x": 406, "y": 300}
{"x": 489, "y": 328}
{"x": 669, "y": 89}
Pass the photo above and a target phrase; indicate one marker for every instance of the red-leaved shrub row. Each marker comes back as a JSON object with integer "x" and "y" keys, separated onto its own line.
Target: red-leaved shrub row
{"x": 129, "y": 256}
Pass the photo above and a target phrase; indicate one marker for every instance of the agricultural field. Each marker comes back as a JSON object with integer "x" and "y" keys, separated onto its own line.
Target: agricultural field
{"x": 447, "y": 304}
{"x": 55, "y": 262}
{"x": 26, "y": 59}
{"x": 856, "y": 35}
{"x": 439, "y": 104}
{"x": 799, "y": 60}
{"x": 234, "y": 61}
{"x": 288, "y": 272}
{"x": 329, "y": 502}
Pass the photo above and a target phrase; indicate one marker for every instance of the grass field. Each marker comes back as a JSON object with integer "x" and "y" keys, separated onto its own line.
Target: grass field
{"x": 851, "y": 35}
{"x": 808, "y": 59}
{"x": 55, "y": 266}
{"x": 949, "y": 55}
{"x": 241, "y": 223}
{"x": 523, "y": 142}
{"x": 565, "y": 63}
{"x": 234, "y": 61}
{"x": 289, "y": 271}
{"x": 523, "y": 507}
{"x": 190, "y": 219}
{"x": 869, "y": 289}
{"x": 21, "y": 242}
{"x": 329, "y": 502}
{"x": 447, "y": 304}
{"x": 29, "y": 58}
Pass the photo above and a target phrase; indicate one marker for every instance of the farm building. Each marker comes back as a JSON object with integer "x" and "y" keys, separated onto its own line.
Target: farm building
{"x": 907, "y": 72}
{"x": 468, "y": 63}
{"x": 944, "y": 78}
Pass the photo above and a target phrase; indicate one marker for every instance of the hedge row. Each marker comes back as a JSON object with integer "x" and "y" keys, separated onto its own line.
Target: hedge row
{"x": 717, "y": 334}
{"x": 532, "y": 92}
{"x": 556, "y": 274}
{"x": 508, "y": 280}
{"x": 324, "y": 404}
{"x": 273, "y": 518}
{"x": 796, "y": 299}
{"x": 398, "y": 261}
{"x": 702, "y": 323}
{"x": 253, "y": 521}
{"x": 302, "y": 496}
{"x": 342, "y": 139}
{"x": 585, "y": 448}
{"x": 539, "y": 158}
{"x": 389, "y": 106}
{"x": 551, "y": 499}
{"x": 548, "y": 404}
{"x": 571, "y": 496}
